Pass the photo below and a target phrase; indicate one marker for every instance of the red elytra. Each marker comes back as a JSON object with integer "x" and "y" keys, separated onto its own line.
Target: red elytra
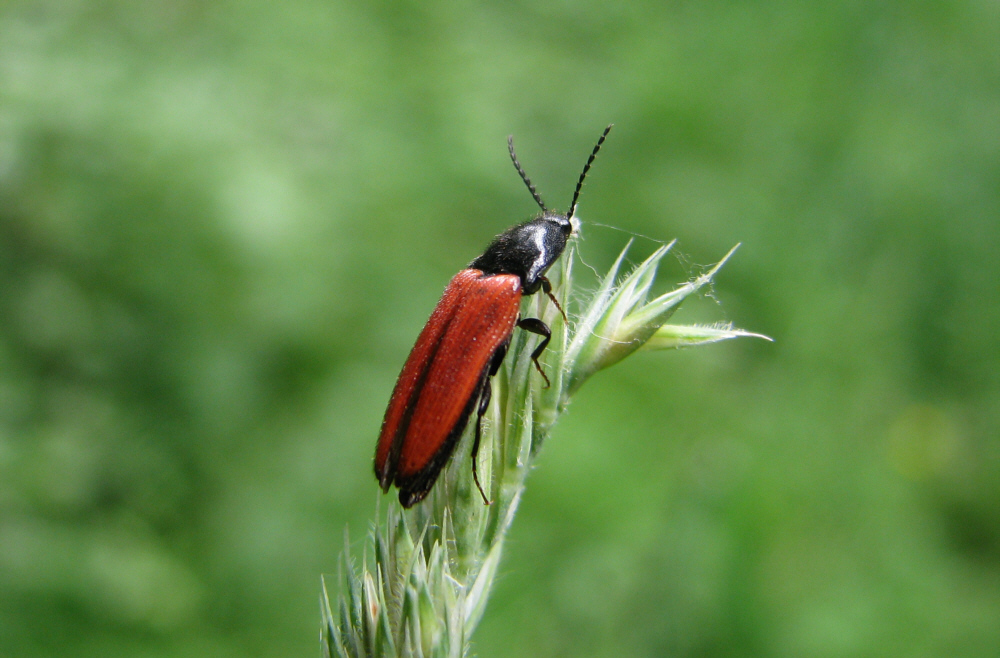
{"x": 447, "y": 374}
{"x": 442, "y": 379}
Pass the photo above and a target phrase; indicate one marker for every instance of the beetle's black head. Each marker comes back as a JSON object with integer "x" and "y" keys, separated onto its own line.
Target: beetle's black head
{"x": 529, "y": 249}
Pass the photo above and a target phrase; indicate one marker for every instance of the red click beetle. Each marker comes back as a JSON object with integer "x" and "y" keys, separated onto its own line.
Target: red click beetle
{"x": 447, "y": 374}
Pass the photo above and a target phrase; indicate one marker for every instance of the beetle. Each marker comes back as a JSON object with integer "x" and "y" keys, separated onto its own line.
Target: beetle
{"x": 447, "y": 374}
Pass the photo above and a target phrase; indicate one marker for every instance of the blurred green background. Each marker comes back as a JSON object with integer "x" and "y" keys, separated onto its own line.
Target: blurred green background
{"x": 222, "y": 225}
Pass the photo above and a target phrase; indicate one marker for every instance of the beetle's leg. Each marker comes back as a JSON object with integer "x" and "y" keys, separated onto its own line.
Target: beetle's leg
{"x": 484, "y": 404}
{"x": 547, "y": 289}
{"x": 536, "y": 326}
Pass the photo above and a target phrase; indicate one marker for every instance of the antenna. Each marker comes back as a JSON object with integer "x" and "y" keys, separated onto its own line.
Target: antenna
{"x": 586, "y": 168}
{"x": 524, "y": 176}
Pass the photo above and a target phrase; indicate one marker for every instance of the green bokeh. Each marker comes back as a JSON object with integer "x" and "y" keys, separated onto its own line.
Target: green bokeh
{"x": 223, "y": 224}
